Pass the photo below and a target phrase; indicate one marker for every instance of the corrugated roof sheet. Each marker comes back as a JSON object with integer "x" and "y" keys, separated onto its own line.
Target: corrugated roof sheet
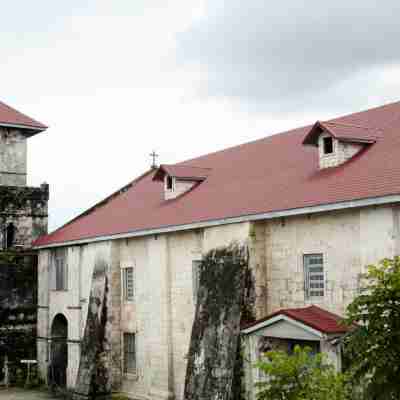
{"x": 272, "y": 174}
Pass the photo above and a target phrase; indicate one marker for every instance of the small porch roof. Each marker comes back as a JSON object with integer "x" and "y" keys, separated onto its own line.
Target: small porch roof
{"x": 311, "y": 318}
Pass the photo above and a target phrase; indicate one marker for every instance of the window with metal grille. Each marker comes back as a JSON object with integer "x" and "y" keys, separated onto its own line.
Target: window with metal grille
{"x": 130, "y": 353}
{"x": 60, "y": 270}
{"x": 195, "y": 278}
{"x": 314, "y": 280}
{"x": 128, "y": 280}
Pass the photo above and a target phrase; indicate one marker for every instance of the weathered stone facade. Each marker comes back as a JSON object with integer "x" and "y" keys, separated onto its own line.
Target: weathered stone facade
{"x": 13, "y": 151}
{"x": 23, "y": 218}
{"x": 162, "y": 312}
{"x": 25, "y": 208}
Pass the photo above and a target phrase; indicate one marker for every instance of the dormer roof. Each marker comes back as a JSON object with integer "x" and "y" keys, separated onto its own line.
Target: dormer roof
{"x": 183, "y": 172}
{"x": 342, "y": 132}
{"x": 11, "y": 118}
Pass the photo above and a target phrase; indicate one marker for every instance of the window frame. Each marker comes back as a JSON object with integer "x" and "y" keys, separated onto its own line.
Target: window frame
{"x": 125, "y": 348}
{"x": 169, "y": 183}
{"x": 128, "y": 297}
{"x": 325, "y": 141}
{"x": 59, "y": 270}
{"x": 308, "y": 290}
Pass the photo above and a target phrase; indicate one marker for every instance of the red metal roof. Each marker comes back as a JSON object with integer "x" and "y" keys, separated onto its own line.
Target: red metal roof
{"x": 312, "y": 316}
{"x": 11, "y": 117}
{"x": 182, "y": 171}
{"x": 272, "y": 174}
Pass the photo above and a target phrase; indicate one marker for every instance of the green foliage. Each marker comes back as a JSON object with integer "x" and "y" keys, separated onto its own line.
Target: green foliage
{"x": 374, "y": 347}
{"x": 300, "y": 376}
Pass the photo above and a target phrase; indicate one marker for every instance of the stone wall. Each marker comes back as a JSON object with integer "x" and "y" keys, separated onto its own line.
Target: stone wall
{"x": 349, "y": 240}
{"x": 13, "y": 150}
{"x": 26, "y": 209}
{"x": 17, "y": 309}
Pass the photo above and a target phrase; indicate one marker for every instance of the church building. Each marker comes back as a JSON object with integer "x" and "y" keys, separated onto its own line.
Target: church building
{"x": 312, "y": 207}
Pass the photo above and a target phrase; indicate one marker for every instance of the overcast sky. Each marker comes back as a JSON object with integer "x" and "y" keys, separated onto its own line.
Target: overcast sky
{"x": 116, "y": 79}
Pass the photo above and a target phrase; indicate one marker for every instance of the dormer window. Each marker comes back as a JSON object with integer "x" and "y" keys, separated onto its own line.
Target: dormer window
{"x": 179, "y": 179}
{"x": 337, "y": 142}
{"x": 328, "y": 145}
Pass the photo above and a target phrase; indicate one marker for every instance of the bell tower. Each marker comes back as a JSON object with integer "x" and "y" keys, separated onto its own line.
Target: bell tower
{"x": 23, "y": 209}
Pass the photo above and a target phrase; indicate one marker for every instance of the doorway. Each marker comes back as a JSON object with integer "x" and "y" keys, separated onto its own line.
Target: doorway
{"x": 58, "y": 352}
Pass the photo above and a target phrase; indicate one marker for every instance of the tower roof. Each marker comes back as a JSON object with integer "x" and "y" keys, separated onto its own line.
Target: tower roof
{"x": 10, "y": 117}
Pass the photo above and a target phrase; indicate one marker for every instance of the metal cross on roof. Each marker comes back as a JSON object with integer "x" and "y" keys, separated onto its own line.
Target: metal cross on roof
{"x": 154, "y": 156}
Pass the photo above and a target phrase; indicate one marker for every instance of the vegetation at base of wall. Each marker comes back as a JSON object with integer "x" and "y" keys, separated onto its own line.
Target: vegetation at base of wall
{"x": 300, "y": 376}
{"x": 119, "y": 396}
{"x": 374, "y": 347}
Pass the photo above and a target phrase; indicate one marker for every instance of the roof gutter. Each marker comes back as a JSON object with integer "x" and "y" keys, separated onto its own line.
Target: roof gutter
{"x": 372, "y": 201}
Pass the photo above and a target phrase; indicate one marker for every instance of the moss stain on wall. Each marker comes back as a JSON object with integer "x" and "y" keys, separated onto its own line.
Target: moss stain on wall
{"x": 225, "y": 298}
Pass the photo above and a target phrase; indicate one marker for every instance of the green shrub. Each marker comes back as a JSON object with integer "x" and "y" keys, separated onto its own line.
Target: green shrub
{"x": 300, "y": 376}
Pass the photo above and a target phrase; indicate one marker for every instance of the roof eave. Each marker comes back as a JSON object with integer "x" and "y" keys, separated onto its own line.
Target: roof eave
{"x": 356, "y": 203}
{"x": 28, "y": 130}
